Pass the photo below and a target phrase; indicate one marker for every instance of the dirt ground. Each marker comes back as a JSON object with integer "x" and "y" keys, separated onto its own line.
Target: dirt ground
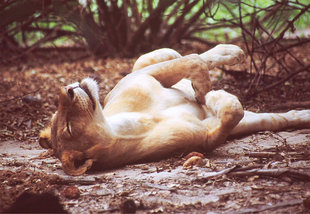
{"x": 265, "y": 172}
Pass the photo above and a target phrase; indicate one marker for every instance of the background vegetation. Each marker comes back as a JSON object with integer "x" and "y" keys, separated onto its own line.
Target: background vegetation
{"x": 126, "y": 28}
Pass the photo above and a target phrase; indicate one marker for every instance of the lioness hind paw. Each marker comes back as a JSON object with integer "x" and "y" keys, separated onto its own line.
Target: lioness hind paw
{"x": 223, "y": 54}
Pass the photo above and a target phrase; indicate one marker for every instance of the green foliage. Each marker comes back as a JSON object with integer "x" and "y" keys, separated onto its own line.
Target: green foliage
{"x": 113, "y": 25}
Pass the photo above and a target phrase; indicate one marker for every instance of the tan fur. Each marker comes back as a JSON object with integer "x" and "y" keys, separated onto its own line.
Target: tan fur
{"x": 164, "y": 106}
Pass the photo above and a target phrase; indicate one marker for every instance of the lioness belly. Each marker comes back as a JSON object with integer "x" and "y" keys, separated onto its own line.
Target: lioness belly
{"x": 132, "y": 123}
{"x": 139, "y": 124}
{"x": 186, "y": 109}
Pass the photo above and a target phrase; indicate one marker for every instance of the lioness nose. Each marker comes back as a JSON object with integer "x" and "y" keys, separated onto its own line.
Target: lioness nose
{"x": 70, "y": 89}
{"x": 70, "y": 92}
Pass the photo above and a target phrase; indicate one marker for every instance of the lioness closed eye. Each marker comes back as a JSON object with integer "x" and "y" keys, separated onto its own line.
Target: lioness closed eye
{"x": 165, "y": 105}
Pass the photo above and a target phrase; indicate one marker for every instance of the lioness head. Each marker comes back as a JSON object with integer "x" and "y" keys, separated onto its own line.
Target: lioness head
{"x": 74, "y": 127}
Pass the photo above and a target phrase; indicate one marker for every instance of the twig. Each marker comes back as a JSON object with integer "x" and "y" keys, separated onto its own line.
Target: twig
{"x": 176, "y": 26}
{"x": 160, "y": 187}
{"x": 299, "y": 43}
{"x": 292, "y": 155}
{"x": 138, "y": 36}
{"x": 20, "y": 97}
{"x": 291, "y": 23}
{"x": 270, "y": 207}
{"x": 197, "y": 39}
{"x": 74, "y": 181}
{"x": 281, "y": 81}
{"x": 204, "y": 176}
{"x": 174, "y": 11}
{"x": 264, "y": 154}
{"x": 193, "y": 19}
{"x": 135, "y": 12}
{"x": 56, "y": 30}
{"x": 292, "y": 105}
{"x": 237, "y": 74}
{"x": 278, "y": 173}
{"x": 243, "y": 30}
{"x": 48, "y": 37}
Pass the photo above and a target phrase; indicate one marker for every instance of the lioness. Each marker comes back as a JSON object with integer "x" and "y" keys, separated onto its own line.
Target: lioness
{"x": 164, "y": 106}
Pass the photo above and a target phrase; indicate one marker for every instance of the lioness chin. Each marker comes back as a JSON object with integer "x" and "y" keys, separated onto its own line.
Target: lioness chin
{"x": 164, "y": 106}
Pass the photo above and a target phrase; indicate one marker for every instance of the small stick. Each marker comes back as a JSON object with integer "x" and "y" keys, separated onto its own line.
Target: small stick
{"x": 278, "y": 173}
{"x": 270, "y": 207}
{"x": 20, "y": 97}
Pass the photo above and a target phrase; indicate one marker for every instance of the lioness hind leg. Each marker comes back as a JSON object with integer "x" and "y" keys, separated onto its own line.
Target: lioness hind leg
{"x": 254, "y": 122}
{"x": 223, "y": 54}
{"x": 225, "y": 111}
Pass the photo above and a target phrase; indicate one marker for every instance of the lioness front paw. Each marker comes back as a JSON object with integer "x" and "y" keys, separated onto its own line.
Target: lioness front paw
{"x": 74, "y": 162}
{"x": 201, "y": 90}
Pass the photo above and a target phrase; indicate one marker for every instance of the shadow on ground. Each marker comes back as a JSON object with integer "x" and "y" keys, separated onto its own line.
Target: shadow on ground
{"x": 264, "y": 172}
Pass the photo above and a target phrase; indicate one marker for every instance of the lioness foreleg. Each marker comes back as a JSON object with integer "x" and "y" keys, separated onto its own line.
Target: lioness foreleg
{"x": 75, "y": 162}
{"x": 194, "y": 67}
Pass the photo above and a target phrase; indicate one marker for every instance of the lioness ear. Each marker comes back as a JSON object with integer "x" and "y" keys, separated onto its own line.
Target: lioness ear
{"x": 92, "y": 86}
{"x": 45, "y": 138}
{"x": 74, "y": 162}
{"x": 45, "y": 135}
